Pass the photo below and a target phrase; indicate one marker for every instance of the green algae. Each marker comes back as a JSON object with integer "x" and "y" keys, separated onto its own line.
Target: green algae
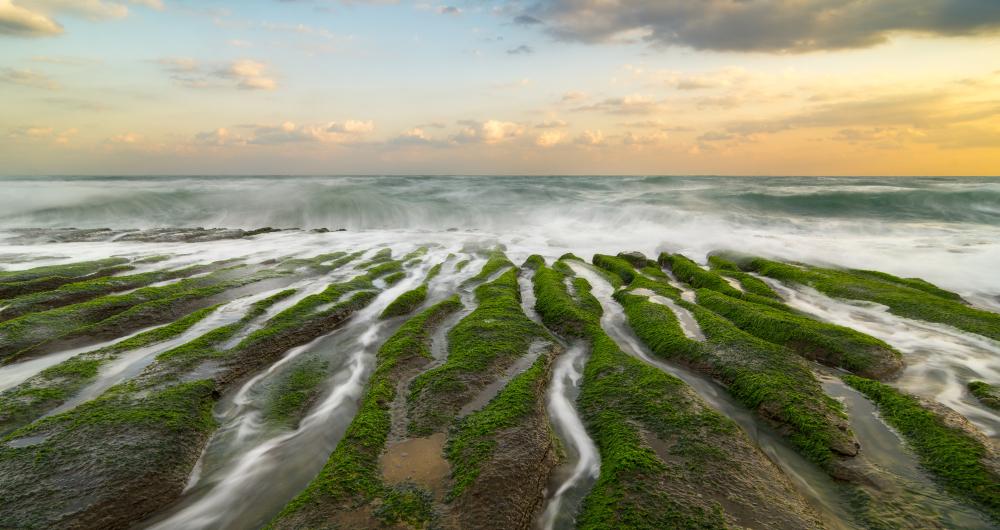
{"x": 462, "y": 264}
{"x": 310, "y": 309}
{"x": 906, "y": 298}
{"x": 826, "y": 343}
{"x": 84, "y": 290}
{"x": 692, "y": 274}
{"x": 406, "y": 503}
{"x": 776, "y": 383}
{"x": 433, "y": 273}
{"x": 624, "y": 401}
{"x": 79, "y": 445}
{"x": 986, "y": 393}
{"x": 405, "y": 303}
{"x": 497, "y": 331}
{"x": 750, "y": 283}
{"x": 27, "y": 287}
{"x": 394, "y": 278}
{"x": 496, "y": 261}
{"x": 761, "y": 375}
{"x": 108, "y": 311}
{"x": 952, "y": 455}
{"x": 418, "y": 253}
{"x": 54, "y": 385}
{"x": 68, "y": 271}
{"x": 91, "y": 452}
{"x": 295, "y": 391}
{"x": 351, "y": 475}
{"x": 473, "y": 439}
{"x": 620, "y": 267}
{"x": 189, "y": 354}
{"x": 658, "y": 328}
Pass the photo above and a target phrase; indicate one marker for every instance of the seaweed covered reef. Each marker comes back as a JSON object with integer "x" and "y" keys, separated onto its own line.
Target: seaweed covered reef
{"x": 418, "y": 381}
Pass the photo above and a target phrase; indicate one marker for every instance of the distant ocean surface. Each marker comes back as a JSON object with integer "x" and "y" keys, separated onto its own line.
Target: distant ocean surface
{"x": 946, "y": 230}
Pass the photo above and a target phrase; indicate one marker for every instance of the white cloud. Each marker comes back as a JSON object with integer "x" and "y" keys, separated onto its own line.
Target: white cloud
{"x": 18, "y": 21}
{"x": 633, "y": 104}
{"x": 644, "y": 139}
{"x": 347, "y": 132}
{"x": 129, "y": 138}
{"x": 248, "y": 74}
{"x": 550, "y": 138}
{"x": 352, "y": 127}
{"x": 42, "y": 134}
{"x": 757, "y": 25}
{"x": 414, "y": 136}
{"x": 551, "y": 124}
{"x": 589, "y": 137}
{"x": 488, "y": 132}
{"x": 34, "y": 18}
{"x": 27, "y": 78}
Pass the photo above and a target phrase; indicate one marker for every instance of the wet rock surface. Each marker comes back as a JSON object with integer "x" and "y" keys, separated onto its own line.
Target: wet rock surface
{"x": 444, "y": 421}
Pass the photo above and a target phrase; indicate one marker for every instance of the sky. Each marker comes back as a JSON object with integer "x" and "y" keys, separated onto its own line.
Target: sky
{"x": 734, "y": 87}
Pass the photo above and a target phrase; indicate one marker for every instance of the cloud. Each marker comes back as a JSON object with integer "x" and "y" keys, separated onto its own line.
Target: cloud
{"x": 551, "y": 124}
{"x": 42, "y": 134}
{"x": 34, "y": 18}
{"x": 574, "y": 95}
{"x": 249, "y": 75}
{"x": 943, "y": 118}
{"x": 27, "y": 78}
{"x": 416, "y": 136}
{"x": 656, "y": 124}
{"x": 65, "y": 60}
{"x": 590, "y": 138}
{"x": 550, "y": 138}
{"x": 725, "y": 78}
{"x": 17, "y": 21}
{"x": 129, "y": 138}
{"x": 220, "y": 136}
{"x": 645, "y": 139}
{"x": 487, "y": 132}
{"x": 526, "y": 20}
{"x": 761, "y": 25}
{"x": 523, "y": 49}
{"x": 347, "y": 132}
{"x": 634, "y": 104}
{"x": 922, "y": 110}
{"x": 246, "y": 74}
{"x": 449, "y": 10}
{"x": 880, "y": 137}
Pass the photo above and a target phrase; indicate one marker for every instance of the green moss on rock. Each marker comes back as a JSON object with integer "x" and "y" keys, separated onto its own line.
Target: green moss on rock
{"x": 952, "y": 455}
{"x": 405, "y": 303}
{"x": 777, "y": 384}
{"x": 54, "y": 385}
{"x": 665, "y": 455}
{"x": 986, "y": 393}
{"x": 474, "y": 438}
{"x": 351, "y": 476}
{"x": 295, "y": 391}
{"x": 492, "y": 336}
{"x": 910, "y": 299}
{"x": 826, "y": 343}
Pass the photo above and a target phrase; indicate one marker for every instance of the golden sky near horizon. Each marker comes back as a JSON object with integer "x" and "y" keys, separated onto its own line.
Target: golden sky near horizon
{"x": 826, "y": 87}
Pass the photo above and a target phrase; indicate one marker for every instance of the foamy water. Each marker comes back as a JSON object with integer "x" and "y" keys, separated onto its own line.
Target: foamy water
{"x": 944, "y": 230}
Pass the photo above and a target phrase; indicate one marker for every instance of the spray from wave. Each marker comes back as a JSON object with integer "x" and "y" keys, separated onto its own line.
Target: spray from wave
{"x": 942, "y": 229}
